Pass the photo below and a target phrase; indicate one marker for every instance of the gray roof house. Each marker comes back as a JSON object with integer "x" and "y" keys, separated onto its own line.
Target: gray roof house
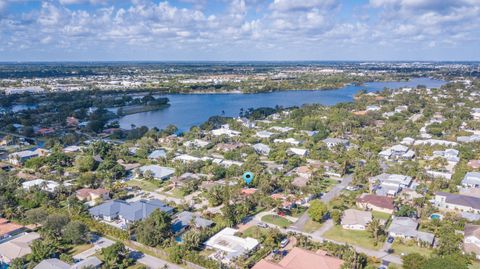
{"x": 128, "y": 212}
{"x": 261, "y": 148}
{"x": 159, "y": 172}
{"x": 333, "y": 142}
{"x": 457, "y": 202}
{"x": 52, "y": 264}
{"x": 183, "y": 220}
{"x": 157, "y": 154}
{"x": 471, "y": 180}
{"x": 389, "y": 184}
{"x": 407, "y": 228}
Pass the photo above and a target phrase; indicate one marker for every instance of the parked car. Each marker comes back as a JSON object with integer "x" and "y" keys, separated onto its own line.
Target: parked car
{"x": 262, "y": 225}
{"x": 284, "y": 242}
{"x": 390, "y": 240}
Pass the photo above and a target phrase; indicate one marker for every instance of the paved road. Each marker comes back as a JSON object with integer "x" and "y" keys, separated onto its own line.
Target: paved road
{"x": 327, "y": 197}
{"x": 99, "y": 243}
{"x": 147, "y": 260}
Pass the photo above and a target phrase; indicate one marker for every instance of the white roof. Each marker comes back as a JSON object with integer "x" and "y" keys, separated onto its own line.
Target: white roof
{"x": 50, "y": 185}
{"x": 159, "y": 172}
{"x": 235, "y": 246}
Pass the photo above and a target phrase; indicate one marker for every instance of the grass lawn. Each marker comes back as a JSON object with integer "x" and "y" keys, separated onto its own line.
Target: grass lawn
{"x": 79, "y": 249}
{"x": 277, "y": 220}
{"x": 143, "y": 184}
{"x": 360, "y": 238}
{"x": 380, "y": 215}
{"x": 409, "y": 247}
{"x": 474, "y": 265}
{"x": 254, "y": 232}
{"x": 311, "y": 226}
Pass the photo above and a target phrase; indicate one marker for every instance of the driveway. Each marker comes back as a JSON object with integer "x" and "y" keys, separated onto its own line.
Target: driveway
{"x": 100, "y": 243}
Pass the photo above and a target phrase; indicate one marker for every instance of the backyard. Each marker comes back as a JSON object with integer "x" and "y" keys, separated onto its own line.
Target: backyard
{"x": 277, "y": 220}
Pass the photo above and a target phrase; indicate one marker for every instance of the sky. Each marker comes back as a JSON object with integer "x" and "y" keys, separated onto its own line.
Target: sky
{"x": 239, "y": 30}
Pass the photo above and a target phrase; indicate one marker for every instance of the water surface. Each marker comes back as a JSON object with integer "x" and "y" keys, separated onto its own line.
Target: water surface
{"x": 187, "y": 110}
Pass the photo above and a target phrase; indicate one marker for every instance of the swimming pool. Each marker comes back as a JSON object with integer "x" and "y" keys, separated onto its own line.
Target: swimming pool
{"x": 436, "y": 216}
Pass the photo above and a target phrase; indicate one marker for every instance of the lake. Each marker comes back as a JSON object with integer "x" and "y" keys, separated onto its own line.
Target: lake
{"x": 187, "y": 110}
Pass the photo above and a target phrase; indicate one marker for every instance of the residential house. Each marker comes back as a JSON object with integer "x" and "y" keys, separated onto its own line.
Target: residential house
{"x": 291, "y": 141}
{"x": 281, "y": 129}
{"x": 185, "y": 219}
{"x": 299, "y": 258}
{"x": 298, "y": 151}
{"x": 197, "y": 143}
{"x": 334, "y": 142}
{"x": 376, "y": 203}
{"x": 397, "y": 152}
{"x": 471, "y": 180}
{"x": 18, "y": 158}
{"x": 457, "y": 202}
{"x": 225, "y": 130}
{"x": 264, "y": 134}
{"x": 17, "y": 247}
{"x": 228, "y": 246}
{"x": 356, "y": 219}
{"x": 185, "y": 158}
{"x": 93, "y": 195}
{"x": 406, "y": 228}
{"x": 158, "y": 172}
{"x": 261, "y": 148}
{"x": 157, "y": 154}
{"x": 475, "y": 164}
{"x": 389, "y": 184}
{"x": 46, "y": 185}
{"x": 471, "y": 241}
{"x": 126, "y": 213}
{"x": 54, "y": 263}
{"x": 184, "y": 178}
{"x": 9, "y": 229}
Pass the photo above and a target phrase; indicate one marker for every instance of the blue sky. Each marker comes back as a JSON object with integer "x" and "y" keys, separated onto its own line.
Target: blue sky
{"x": 90, "y": 30}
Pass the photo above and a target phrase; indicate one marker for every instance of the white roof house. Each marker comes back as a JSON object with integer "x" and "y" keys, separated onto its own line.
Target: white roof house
{"x": 225, "y": 131}
{"x": 298, "y": 151}
{"x": 264, "y": 134}
{"x": 281, "y": 129}
{"x": 229, "y": 246}
{"x": 333, "y": 142}
{"x": 46, "y": 185}
{"x": 471, "y": 180}
{"x": 159, "y": 172}
{"x": 186, "y": 158}
{"x": 290, "y": 140}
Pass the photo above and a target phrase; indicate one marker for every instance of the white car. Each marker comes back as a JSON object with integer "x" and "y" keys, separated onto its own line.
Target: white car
{"x": 284, "y": 242}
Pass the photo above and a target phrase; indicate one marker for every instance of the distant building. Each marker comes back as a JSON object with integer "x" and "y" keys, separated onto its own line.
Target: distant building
{"x": 158, "y": 172}
{"x": 157, "y": 154}
{"x": 261, "y": 149}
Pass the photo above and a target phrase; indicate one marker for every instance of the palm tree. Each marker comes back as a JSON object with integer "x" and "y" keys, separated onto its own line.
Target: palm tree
{"x": 375, "y": 228}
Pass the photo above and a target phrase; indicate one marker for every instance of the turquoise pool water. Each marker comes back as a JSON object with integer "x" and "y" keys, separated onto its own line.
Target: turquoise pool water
{"x": 436, "y": 216}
